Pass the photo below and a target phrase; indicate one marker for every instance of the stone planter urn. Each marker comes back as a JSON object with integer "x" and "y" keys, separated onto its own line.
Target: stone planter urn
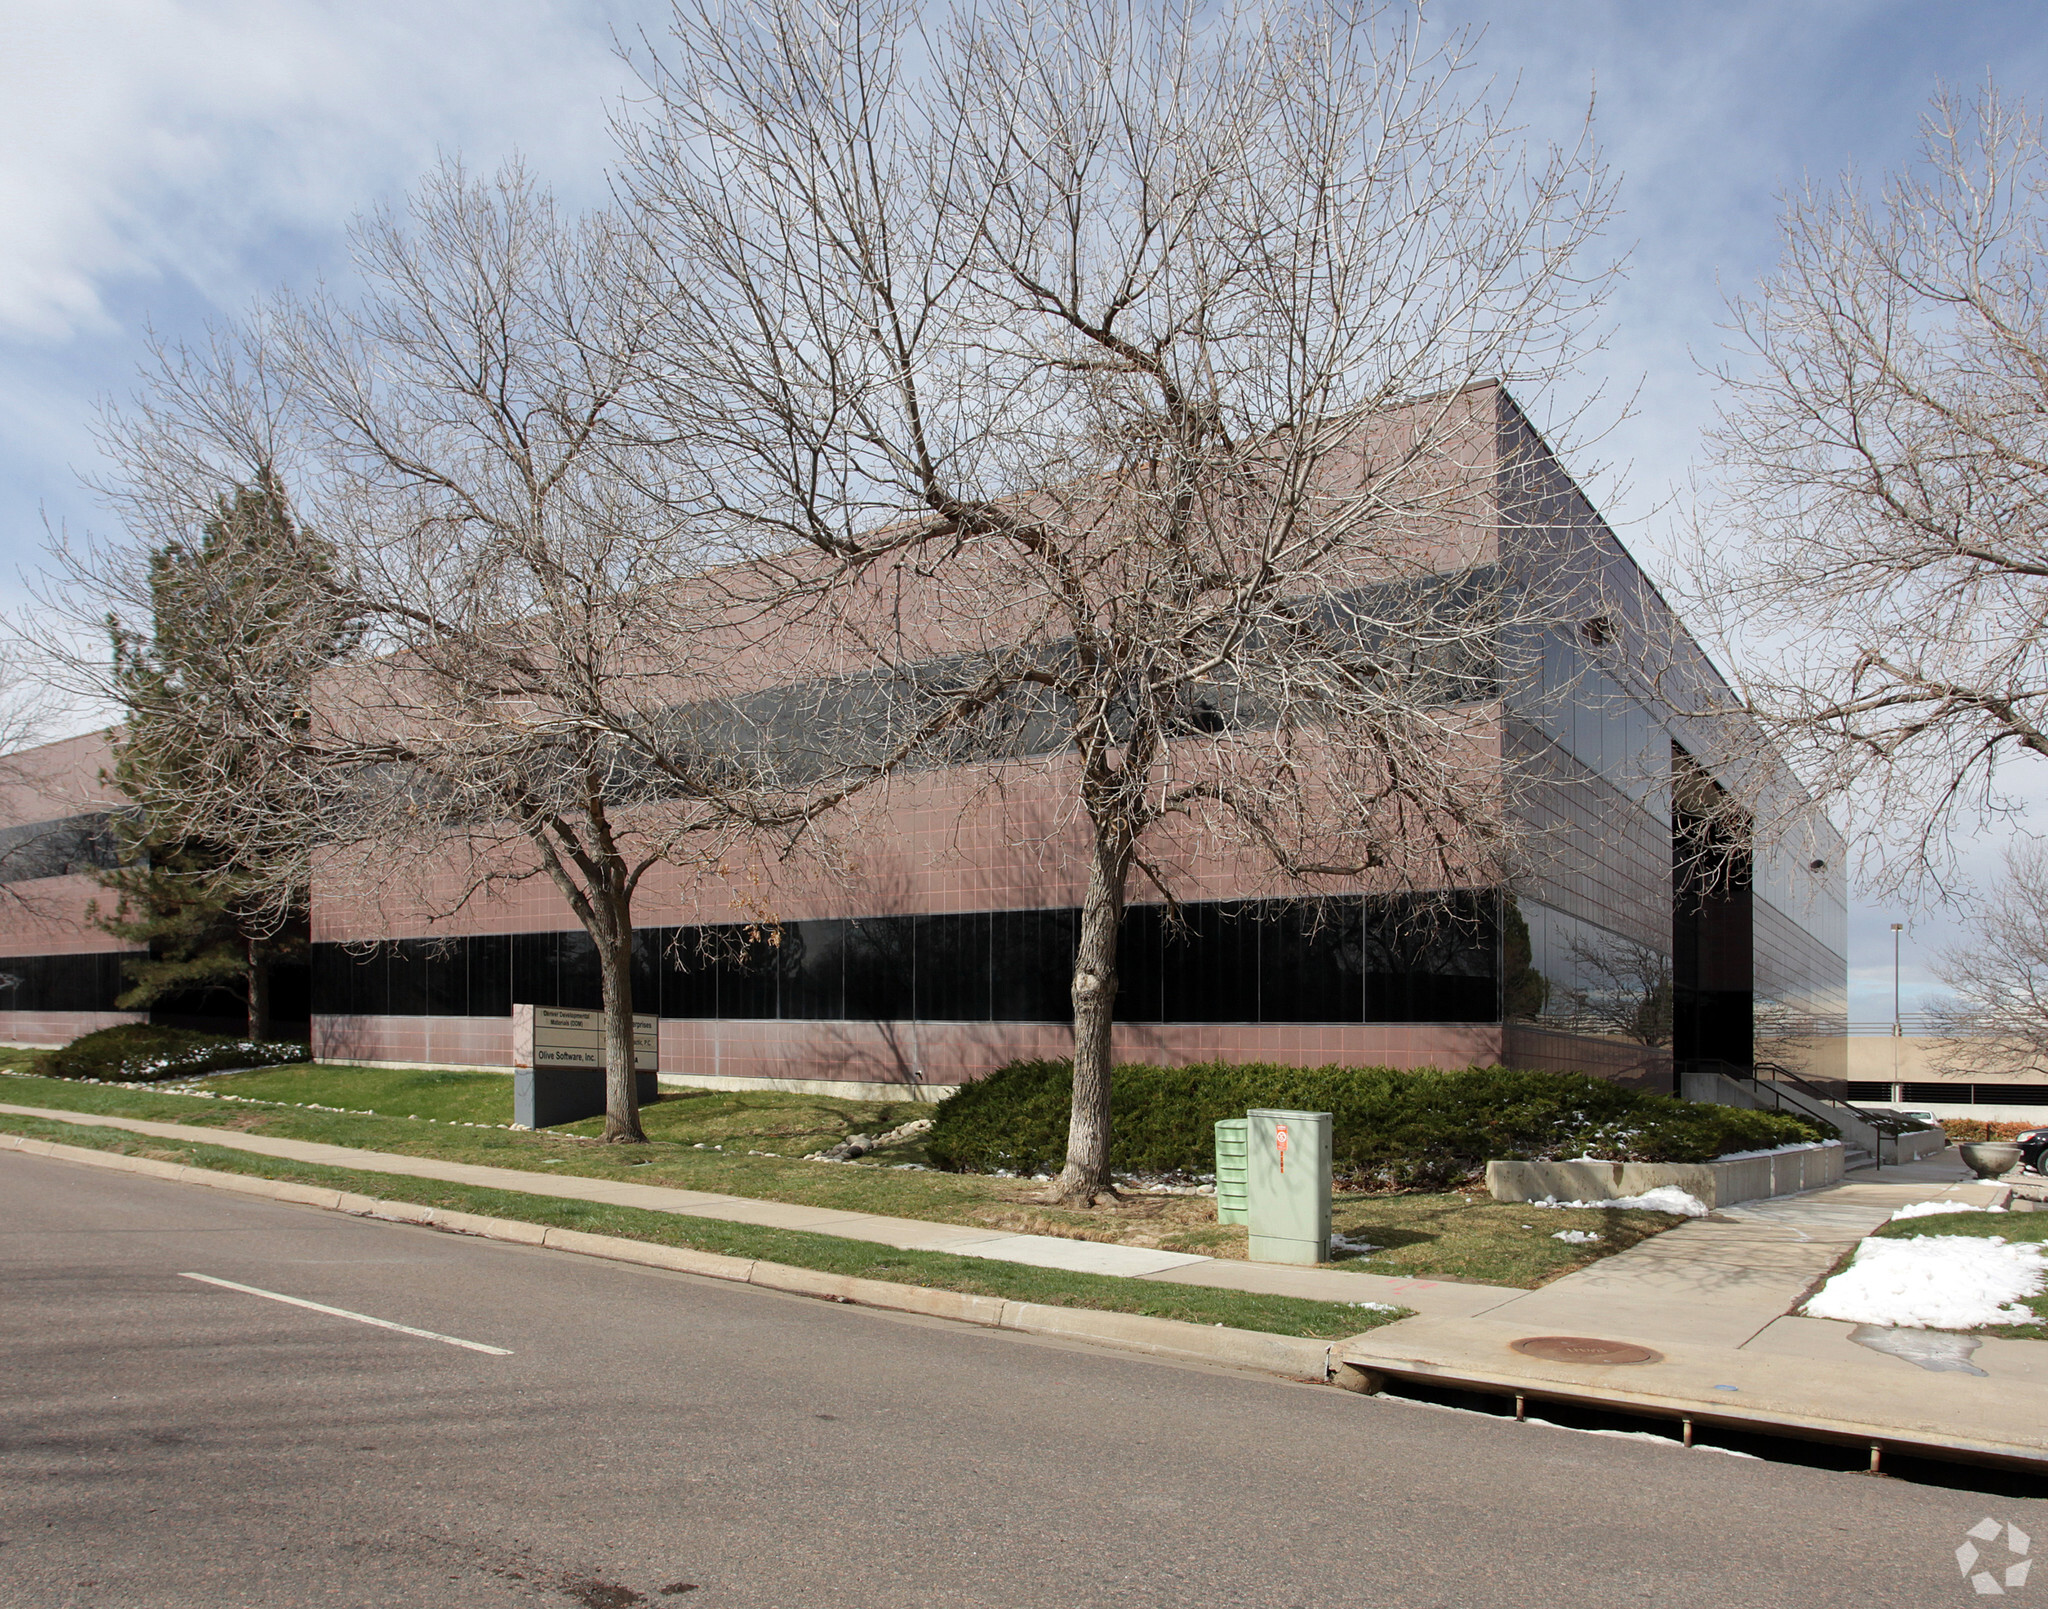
{"x": 1990, "y": 1159}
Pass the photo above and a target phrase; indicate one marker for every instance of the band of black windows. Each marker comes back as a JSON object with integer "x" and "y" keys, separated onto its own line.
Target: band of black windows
{"x": 1336, "y": 960}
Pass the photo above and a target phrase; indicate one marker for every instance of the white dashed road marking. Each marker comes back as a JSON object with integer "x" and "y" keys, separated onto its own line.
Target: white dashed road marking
{"x": 342, "y": 1312}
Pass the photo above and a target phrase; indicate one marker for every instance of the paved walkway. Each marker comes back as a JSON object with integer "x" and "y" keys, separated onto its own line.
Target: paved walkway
{"x": 909, "y": 1234}
{"x": 1713, "y": 1298}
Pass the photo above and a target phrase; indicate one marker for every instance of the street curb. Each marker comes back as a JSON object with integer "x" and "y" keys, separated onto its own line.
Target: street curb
{"x": 1289, "y": 1356}
{"x": 1647, "y": 1404}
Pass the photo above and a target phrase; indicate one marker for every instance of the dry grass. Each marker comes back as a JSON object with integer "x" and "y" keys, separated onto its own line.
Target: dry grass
{"x": 754, "y": 1144}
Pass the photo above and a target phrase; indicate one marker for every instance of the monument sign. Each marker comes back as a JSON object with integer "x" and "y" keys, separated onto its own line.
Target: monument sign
{"x": 558, "y": 1064}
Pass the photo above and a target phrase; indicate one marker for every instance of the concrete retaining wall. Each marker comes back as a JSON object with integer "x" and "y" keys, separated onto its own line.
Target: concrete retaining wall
{"x": 1912, "y": 1147}
{"x": 1718, "y": 1184}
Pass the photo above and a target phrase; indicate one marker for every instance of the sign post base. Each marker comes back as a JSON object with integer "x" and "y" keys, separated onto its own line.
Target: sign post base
{"x": 543, "y": 1097}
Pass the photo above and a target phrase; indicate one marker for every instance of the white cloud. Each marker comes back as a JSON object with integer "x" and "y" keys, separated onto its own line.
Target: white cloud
{"x": 206, "y": 139}
{"x": 163, "y": 160}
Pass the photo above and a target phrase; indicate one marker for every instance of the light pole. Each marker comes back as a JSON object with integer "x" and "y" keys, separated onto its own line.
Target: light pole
{"x": 1898, "y": 1026}
{"x": 1898, "y": 1022}
{"x": 1898, "y": 1031}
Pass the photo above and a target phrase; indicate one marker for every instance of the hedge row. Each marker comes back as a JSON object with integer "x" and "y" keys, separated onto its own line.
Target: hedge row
{"x": 142, "y": 1053}
{"x": 1393, "y": 1129}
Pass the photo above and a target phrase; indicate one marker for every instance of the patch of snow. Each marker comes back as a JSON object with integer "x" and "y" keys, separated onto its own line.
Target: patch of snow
{"x": 1927, "y": 1209}
{"x": 1374, "y": 1307}
{"x": 1776, "y": 1150}
{"x": 1576, "y": 1237}
{"x": 1665, "y": 1198}
{"x": 1345, "y": 1243}
{"x": 1725, "y": 1156}
{"x": 1935, "y": 1282}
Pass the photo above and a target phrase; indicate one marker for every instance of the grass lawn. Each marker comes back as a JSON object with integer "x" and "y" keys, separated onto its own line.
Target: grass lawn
{"x": 2010, "y": 1226}
{"x": 1279, "y": 1315}
{"x": 752, "y": 1144}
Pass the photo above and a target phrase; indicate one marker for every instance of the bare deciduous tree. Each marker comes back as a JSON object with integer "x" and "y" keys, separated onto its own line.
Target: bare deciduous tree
{"x": 1107, "y": 370}
{"x": 538, "y": 682}
{"x": 1879, "y": 559}
{"x": 30, "y": 703}
{"x": 33, "y": 709}
{"x": 1619, "y": 987}
{"x": 1996, "y": 1018}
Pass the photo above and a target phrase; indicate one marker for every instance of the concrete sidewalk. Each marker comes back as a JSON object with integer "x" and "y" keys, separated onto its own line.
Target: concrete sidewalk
{"x": 908, "y": 1234}
{"x": 1713, "y": 1299}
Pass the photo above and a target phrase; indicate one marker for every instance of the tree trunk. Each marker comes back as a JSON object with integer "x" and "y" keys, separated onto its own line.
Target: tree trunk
{"x": 259, "y": 992}
{"x": 1086, "y": 1174}
{"x": 621, "y": 1091}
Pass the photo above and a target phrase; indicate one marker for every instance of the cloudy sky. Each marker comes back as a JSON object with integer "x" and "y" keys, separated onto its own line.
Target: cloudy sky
{"x": 162, "y": 161}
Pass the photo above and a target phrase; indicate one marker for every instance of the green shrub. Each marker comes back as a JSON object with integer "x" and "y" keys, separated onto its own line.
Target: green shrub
{"x": 142, "y": 1053}
{"x": 1393, "y": 1129}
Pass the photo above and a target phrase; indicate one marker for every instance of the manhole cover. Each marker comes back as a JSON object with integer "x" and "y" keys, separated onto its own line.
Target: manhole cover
{"x": 1580, "y": 1349}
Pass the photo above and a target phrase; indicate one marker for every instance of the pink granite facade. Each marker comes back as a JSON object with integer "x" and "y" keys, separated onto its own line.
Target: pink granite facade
{"x": 58, "y": 970}
{"x": 924, "y": 1055}
{"x": 1585, "y": 741}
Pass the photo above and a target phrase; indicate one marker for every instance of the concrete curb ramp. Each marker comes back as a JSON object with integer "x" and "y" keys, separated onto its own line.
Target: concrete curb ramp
{"x": 1793, "y": 1399}
{"x": 1286, "y": 1355}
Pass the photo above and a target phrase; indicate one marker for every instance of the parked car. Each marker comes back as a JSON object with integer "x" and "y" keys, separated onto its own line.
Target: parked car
{"x": 2033, "y": 1144}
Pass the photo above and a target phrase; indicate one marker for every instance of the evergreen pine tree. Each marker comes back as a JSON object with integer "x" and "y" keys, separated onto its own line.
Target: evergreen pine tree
{"x": 209, "y": 913}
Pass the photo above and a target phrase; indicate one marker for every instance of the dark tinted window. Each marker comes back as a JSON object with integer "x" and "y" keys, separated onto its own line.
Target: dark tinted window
{"x": 1209, "y": 963}
{"x": 89, "y": 982}
{"x": 951, "y": 964}
{"x": 648, "y": 943}
{"x": 370, "y": 975}
{"x": 1140, "y": 964}
{"x": 333, "y": 982}
{"x": 1311, "y": 962}
{"x": 533, "y": 969}
{"x": 1431, "y": 960}
{"x": 813, "y": 970}
{"x": 2010, "y": 1094}
{"x": 490, "y": 975}
{"x": 880, "y": 968}
{"x": 62, "y": 848}
{"x": 689, "y": 977}
{"x": 1032, "y": 965}
{"x": 748, "y": 965}
{"x": 579, "y": 981}
{"x": 1342, "y": 959}
{"x": 406, "y": 969}
{"x": 447, "y": 964}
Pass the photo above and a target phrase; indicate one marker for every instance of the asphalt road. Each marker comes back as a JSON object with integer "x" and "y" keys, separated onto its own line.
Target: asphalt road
{"x": 167, "y": 1442}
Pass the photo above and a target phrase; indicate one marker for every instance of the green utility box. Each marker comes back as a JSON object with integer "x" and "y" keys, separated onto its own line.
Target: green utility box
{"x": 1287, "y": 1186}
{"x": 1230, "y": 1148}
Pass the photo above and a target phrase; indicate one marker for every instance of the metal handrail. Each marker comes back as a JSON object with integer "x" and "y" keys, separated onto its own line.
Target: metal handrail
{"x": 1781, "y": 1074}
